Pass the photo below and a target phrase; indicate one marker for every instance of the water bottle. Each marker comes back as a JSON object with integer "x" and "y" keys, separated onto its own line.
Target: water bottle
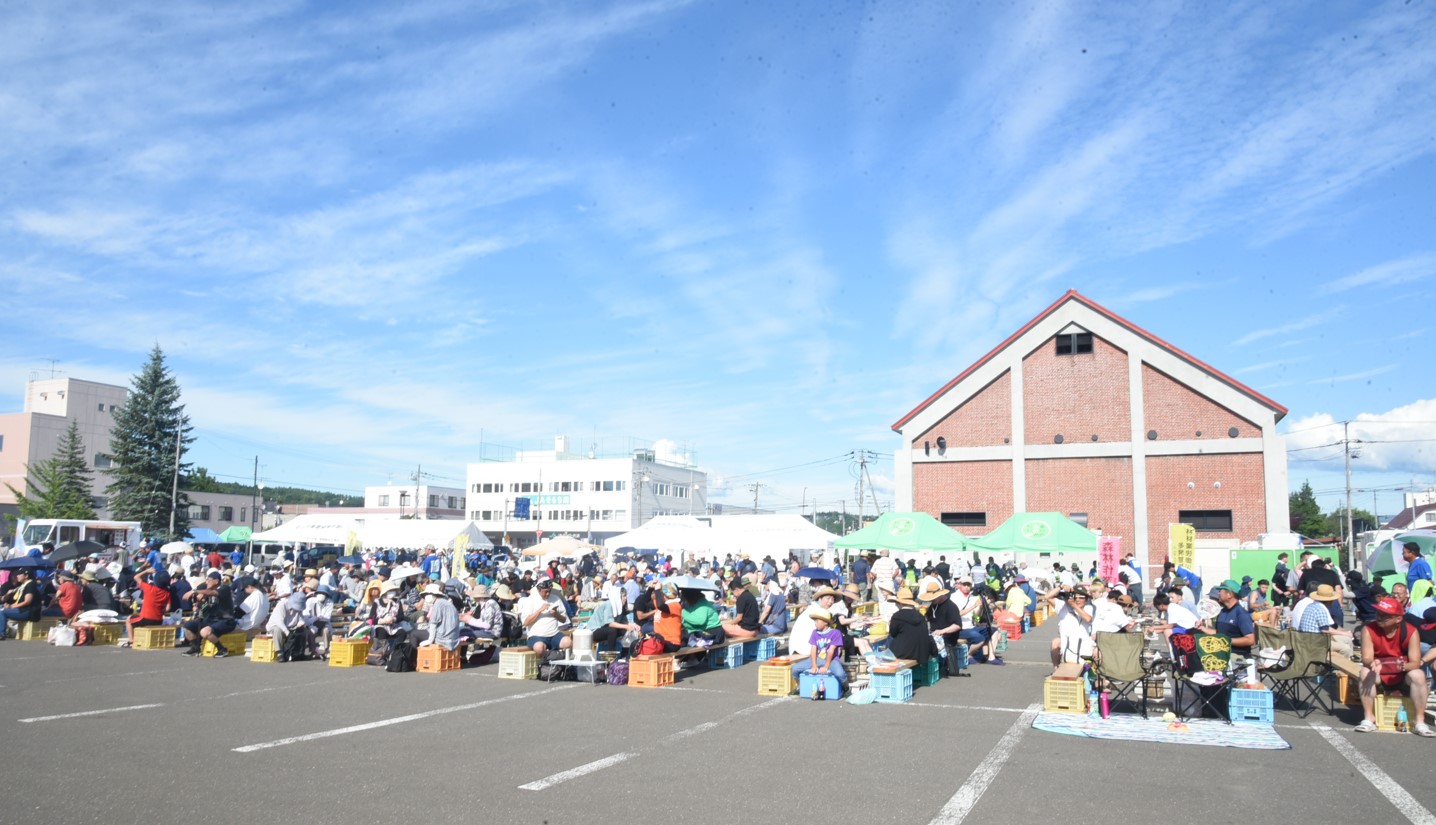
{"x": 1026, "y": 623}
{"x": 1093, "y": 708}
{"x": 1106, "y": 706}
{"x": 962, "y": 662}
{"x": 1401, "y": 719}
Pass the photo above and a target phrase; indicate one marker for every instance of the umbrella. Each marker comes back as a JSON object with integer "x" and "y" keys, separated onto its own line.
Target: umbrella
{"x": 817, "y": 573}
{"x": 695, "y": 583}
{"x": 175, "y": 547}
{"x": 1425, "y": 539}
{"x": 562, "y": 545}
{"x": 1385, "y": 560}
{"x": 235, "y": 533}
{"x": 350, "y": 559}
{"x": 26, "y": 563}
{"x": 404, "y": 572}
{"x": 75, "y": 550}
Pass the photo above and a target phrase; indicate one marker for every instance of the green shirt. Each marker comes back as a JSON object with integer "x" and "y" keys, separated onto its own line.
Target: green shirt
{"x": 702, "y": 616}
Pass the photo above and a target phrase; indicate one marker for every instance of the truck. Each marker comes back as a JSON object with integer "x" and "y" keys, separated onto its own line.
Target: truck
{"x": 61, "y": 531}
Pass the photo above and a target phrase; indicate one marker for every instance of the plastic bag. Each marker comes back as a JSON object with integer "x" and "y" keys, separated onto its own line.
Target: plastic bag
{"x": 62, "y": 636}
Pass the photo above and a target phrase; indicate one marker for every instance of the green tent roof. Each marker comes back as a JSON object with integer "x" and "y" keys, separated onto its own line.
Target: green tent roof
{"x": 1038, "y": 532}
{"x": 904, "y": 532}
{"x": 234, "y": 533}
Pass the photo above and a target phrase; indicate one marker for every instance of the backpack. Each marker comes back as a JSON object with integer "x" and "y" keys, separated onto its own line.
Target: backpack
{"x": 296, "y": 646}
{"x": 403, "y": 658}
{"x": 513, "y": 628}
{"x": 649, "y": 646}
{"x": 618, "y": 672}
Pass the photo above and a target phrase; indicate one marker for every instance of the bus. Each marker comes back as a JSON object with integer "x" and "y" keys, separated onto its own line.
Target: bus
{"x": 61, "y": 531}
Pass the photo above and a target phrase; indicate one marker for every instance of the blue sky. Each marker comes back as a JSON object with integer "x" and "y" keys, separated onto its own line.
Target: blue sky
{"x": 371, "y": 236}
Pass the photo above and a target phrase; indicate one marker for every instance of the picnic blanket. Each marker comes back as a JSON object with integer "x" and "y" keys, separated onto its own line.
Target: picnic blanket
{"x": 1135, "y": 728}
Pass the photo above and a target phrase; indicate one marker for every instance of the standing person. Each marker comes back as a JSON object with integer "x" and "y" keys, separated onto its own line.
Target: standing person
{"x": 861, "y": 568}
{"x": 943, "y": 570}
{"x": 1417, "y": 567}
{"x": 885, "y": 570}
{"x": 1281, "y": 597}
{"x": 1134, "y": 579}
{"x": 1317, "y": 574}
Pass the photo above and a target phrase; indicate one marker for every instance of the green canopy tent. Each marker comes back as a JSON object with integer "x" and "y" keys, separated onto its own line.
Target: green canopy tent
{"x": 904, "y": 533}
{"x": 1038, "y": 533}
{"x": 234, "y": 534}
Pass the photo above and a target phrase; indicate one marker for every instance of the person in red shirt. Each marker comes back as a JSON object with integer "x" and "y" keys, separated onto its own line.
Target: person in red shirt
{"x": 215, "y": 559}
{"x": 69, "y": 596}
{"x": 1391, "y": 655}
{"x": 154, "y": 600}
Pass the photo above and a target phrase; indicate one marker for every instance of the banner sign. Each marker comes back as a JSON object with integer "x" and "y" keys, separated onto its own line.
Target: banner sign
{"x": 1109, "y": 551}
{"x": 1183, "y": 546}
{"x": 521, "y": 508}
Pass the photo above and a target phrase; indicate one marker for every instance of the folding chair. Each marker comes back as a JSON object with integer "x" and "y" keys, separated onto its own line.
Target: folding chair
{"x": 1194, "y": 653}
{"x": 1118, "y": 664}
{"x": 1300, "y": 682}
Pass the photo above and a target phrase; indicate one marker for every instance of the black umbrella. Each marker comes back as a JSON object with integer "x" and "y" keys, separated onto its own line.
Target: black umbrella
{"x": 75, "y": 550}
{"x": 26, "y": 563}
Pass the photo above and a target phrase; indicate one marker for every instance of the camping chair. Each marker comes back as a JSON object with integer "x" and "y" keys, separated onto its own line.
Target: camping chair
{"x": 1118, "y": 664}
{"x": 1300, "y": 681}
{"x": 1193, "y": 653}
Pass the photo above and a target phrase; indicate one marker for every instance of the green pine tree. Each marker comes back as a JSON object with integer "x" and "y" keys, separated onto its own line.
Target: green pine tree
{"x": 1306, "y": 516}
{"x": 59, "y": 486}
{"x": 148, "y": 441}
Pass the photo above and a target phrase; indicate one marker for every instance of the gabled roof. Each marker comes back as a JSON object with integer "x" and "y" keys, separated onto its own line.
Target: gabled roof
{"x": 1073, "y": 295}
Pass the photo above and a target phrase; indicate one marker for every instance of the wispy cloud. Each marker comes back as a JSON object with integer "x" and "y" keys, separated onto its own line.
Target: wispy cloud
{"x": 1308, "y": 322}
{"x": 1355, "y": 376}
{"x": 1400, "y": 271}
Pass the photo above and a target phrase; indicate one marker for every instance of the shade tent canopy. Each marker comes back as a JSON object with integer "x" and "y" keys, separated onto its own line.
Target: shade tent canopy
{"x": 716, "y": 536}
{"x": 310, "y": 528}
{"x": 904, "y": 533}
{"x": 668, "y": 534}
{"x": 415, "y": 534}
{"x": 1038, "y": 533}
{"x": 235, "y": 533}
{"x": 203, "y": 535}
{"x": 561, "y": 546}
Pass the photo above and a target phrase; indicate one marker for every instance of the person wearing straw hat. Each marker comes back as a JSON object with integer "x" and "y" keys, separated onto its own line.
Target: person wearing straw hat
{"x": 825, "y": 652}
{"x": 908, "y": 636}
{"x": 802, "y": 628}
{"x": 944, "y": 622}
{"x": 486, "y": 620}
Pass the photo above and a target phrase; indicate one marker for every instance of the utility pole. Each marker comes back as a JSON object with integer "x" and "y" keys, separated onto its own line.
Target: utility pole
{"x": 1346, "y": 449}
{"x": 174, "y": 488}
{"x": 755, "y": 487}
{"x": 253, "y": 514}
{"x": 862, "y": 466}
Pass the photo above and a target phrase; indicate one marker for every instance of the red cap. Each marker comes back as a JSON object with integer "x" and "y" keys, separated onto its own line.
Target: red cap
{"x": 1389, "y": 606}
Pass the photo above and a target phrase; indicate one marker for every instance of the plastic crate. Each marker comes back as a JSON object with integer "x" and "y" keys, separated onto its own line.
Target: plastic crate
{"x": 1156, "y": 689}
{"x": 775, "y": 679}
{"x": 1063, "y": 696}
{"x": 107, "y": 634}
{"x": 878, "y": 628}
{"x": 760, "y": 650}
{"x": 1012, "y": 629}
{"x": 233, "y": 642}
{"x": 345, "y": 652}
{"x": 808, "y": 685}
{"x": 263, "y": 650}
{"x": 729, "y": 656}
{"x": 36, "y": 631}
{"x": 432, "y": 659}
{"x": 928, "y": 676}
{"x": 155, "y": 637}
{"x": 893, "y": 688}
{"x": 518, "y": 663}
{"x": 1251, "y": 706}
{"x": 1388, "y": 704}
{"x": 1348, "y": 690}
{"x": 650, "y": 671}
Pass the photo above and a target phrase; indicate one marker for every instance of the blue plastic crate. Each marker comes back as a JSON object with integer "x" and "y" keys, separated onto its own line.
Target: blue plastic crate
{"x": 893, "y": 688}
{"x": 730, "y": 656}
{"x": 1252, "y": 706}
{"x": 760, "y": 650}
{"x": 808, "y": 684}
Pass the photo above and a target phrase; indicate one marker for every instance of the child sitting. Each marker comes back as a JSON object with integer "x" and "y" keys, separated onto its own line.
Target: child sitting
{"x": 826, "y": 655}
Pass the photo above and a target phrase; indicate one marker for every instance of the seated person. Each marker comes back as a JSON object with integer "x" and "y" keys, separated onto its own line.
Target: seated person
{"x": 486, "y": 621}
{"x": 802, "y": 627}
{"x": 1311, "y": 616}
{"x": 702, "y": 626}
{"x": 747, "y": 623}
{"x": 606, "y": 624}
{"x": 1391, "y": 656}
{"x": 970, "y": 607}
{"x": 1173, "y": 615}
{"x": 774, "y": 618}
{"x": 386, "y": 617}
{"x": 825, "y": 652}
{"x": 254, "y": 610}
{"x": 1233, "y": 621}
{"x": 1074, "y": 624}
{"x": 542, "y": 613}
{"x": 647, "y": 608}
{"x": 908, "y": 636}
{"x": 442, "y": 619}
{"x": 154, "y": 601}
{"x": 1260, "y": 598}
{"x": 69, "y": 597}
{"x": 96, "y": 594}
{"x": 214, "y": 615}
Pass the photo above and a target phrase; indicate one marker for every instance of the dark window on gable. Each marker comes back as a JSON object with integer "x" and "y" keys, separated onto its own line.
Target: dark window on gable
{"x": 965, "y": 519}
{"x": 1209, "y": 521}
{"x": 1077, "y": 342}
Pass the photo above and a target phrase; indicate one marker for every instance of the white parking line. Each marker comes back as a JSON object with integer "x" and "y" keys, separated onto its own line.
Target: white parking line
{"x": 398, "y": 720}
{"x": 113, "y": 675}
{"x": 707, "y": 726}
{"x": 1385, "y": 785}
{"x": 87, "y": 713}
{"x": 574, "y": 773}
{"x": 962, "y": 802}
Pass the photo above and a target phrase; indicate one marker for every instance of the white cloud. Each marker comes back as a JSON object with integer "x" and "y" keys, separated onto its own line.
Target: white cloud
{"x": 1402, "y": 439}
{"x": 1298, "y": 325}
{"x": 1390, "y": 273}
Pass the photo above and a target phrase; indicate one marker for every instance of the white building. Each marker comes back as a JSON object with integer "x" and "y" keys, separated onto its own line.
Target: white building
{"x": 398, "y": 501}
{"x": 33, "y": 435}
{"x": 579, "y": 494}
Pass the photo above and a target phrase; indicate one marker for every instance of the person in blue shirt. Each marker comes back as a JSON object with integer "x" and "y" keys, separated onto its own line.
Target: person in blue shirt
{"x": 1417, "y": 567}
{"x": 1233, "y": 620}
{"x": 860, "y": 576}
{"x": 1192, "y": 579}
{"x": 236, "y": 556}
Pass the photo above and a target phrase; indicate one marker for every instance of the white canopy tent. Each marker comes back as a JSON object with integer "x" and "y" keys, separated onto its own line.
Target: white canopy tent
{"x": 310, "y": 528}
{"x": 681, "y": 536}
{"x": 770, "y": 535}
{"x": 415, "y": 534}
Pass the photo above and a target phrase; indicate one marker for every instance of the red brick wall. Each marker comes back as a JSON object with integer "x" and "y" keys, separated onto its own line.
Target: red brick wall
{"x": 1243, "y": 491}
{"x": 1099, "y": 487}
{"x": 982, "y": 421}
{"x": 1077, "y": 396}
{"x": 1178, "y": 412}
{"x": 970, "y": 486}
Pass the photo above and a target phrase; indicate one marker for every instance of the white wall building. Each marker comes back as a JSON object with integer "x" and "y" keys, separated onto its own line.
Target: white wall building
{"x": 32, "y": 435}
{"x": 579, "y": 494}
{"x": 398, "y": 501}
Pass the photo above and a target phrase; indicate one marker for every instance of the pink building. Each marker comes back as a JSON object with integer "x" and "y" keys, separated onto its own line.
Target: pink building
{"x": 1084, "y": 413}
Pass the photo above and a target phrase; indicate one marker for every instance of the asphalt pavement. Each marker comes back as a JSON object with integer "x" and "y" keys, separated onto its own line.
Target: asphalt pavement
{"x": 119, "y": 735}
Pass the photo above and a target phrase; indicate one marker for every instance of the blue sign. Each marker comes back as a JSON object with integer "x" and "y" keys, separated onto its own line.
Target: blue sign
{"x": 521, "y": 508}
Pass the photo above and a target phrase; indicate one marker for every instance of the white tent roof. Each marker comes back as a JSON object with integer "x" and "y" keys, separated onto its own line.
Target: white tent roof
{"x": 413, "y": 534}
{"x": 706, "y": 536}
{"x": 311, "y": 528}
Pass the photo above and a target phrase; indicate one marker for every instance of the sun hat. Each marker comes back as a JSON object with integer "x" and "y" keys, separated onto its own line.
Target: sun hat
{"x": 933, "y": 592}
{"x": 1327, "y": 593}
{"x": 964, "y": 580}
{"x": 504, "y": 593}
{"x": 1385, "y": 605}
{"x": 433, "y": 590}
{"x": 821, "y": 614}
{"x": 389, "y": 587}
{"x": 479, "y": 591}
{"x": 826, "y": 591}
{"x": 850, "y": 592}
{"x": 904, "y": 596}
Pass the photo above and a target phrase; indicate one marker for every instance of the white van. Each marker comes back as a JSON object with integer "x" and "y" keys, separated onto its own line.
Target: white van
{"x": 61, "y": 531}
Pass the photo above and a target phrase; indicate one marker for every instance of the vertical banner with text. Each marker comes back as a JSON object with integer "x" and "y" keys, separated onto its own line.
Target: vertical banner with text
{"x": 1109, "y": 551}
{"x": 1183, "y": 546}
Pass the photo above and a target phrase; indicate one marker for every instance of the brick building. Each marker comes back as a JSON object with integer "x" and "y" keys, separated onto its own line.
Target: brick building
{"x": 1084, "y": 413}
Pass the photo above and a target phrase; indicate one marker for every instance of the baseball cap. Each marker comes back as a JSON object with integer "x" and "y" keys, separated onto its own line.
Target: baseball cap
{"x": 1389, "y": 606}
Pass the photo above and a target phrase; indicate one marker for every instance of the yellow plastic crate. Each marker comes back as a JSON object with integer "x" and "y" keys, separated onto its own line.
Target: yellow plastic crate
{"x": 155, "y": 637}
{"x": 775, "y": 679}
{"x": 107, "y": 634}
{"x": 349, "y": 652}
{"x": 263, "y": 650}
{"x": 233, "y": 642}
{"x": 1156, "y": 689}
{"x": 878, "y": 628}
{"x": 518, "y": 663}
{"x": 1386, "y": 707}
{"x": 1063, "y": 696}
{"x": 33, "y": 631}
